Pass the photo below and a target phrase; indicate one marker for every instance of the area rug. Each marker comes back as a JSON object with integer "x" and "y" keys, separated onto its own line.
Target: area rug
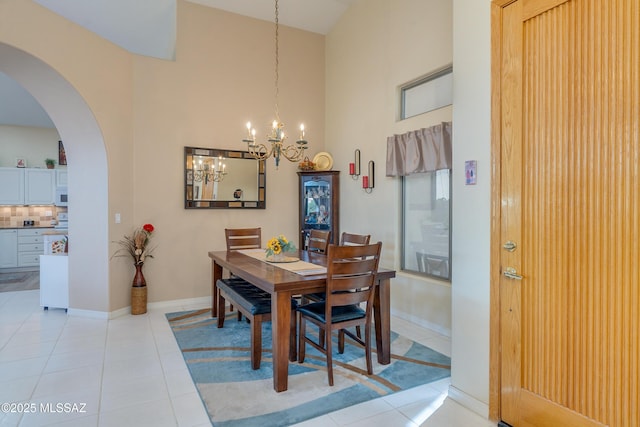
{"x": 235, "y": 395}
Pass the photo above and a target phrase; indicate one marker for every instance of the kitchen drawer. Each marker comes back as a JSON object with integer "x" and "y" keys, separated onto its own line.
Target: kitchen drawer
{"x": 31, "y": 247}
{"x": 30, "y": 239}
{"x": 29, "y": 259}
{"x": 32, "y": 231}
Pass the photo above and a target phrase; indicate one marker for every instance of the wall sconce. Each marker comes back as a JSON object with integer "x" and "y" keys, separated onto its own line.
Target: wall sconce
{"x": 354, "y": 168}
{"x": 368, "y": 181}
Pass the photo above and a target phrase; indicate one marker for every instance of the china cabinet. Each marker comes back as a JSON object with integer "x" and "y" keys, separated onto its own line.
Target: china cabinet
{"x": 319, "y": 193}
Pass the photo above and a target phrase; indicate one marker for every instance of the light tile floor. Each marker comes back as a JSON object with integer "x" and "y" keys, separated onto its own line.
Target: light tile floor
{"x": 75, "y": 371}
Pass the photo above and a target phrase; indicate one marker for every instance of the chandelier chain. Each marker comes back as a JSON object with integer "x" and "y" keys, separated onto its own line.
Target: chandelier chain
{"x": 277, "y": 62}
{"x": 275, "y": 140}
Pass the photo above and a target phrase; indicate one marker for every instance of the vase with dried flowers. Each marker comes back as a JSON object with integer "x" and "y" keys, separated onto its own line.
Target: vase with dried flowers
{"x": 137, "y": 247}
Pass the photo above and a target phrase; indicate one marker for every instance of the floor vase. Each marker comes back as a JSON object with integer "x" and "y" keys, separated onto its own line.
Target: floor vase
{"x": 139, "y": 292}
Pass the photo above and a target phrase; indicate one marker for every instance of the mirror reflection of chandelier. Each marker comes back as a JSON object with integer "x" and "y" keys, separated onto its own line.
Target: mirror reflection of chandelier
{"x": 275, "y": 139}
{"x": 214, "y": 170}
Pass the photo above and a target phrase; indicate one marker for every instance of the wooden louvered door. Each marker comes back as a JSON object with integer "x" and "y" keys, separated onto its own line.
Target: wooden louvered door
{"x": 568, "y": 94}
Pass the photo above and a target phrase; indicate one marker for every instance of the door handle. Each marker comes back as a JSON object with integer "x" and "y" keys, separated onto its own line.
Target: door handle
{"x": 511, "y": 273}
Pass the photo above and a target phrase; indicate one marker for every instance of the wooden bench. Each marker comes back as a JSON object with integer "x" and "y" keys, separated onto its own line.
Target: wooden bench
{"x": 255, "y": 304}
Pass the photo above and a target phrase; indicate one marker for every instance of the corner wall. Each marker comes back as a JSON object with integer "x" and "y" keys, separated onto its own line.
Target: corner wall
{"x": 471, "y": 204}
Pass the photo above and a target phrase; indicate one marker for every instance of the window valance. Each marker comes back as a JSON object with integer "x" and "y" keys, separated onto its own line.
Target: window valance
{"x": 424, "y": 150}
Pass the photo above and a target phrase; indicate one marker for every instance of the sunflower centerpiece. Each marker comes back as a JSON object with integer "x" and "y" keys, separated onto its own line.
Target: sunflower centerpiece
{"x": 277, "y": 247}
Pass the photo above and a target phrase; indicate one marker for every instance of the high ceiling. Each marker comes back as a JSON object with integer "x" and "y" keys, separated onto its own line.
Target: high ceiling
{"x": 147, "y": 27}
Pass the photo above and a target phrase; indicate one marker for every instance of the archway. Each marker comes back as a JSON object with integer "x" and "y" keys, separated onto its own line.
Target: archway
{"x": 88, "y": 178}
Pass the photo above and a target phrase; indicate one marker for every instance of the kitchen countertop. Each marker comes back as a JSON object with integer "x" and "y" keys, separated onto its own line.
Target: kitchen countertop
{"x": 55, "y": 232}
{"x": 19, "y": 227}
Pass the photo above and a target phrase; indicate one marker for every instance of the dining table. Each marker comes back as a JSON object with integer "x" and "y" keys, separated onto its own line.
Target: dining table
{"x": 284, "y": 284}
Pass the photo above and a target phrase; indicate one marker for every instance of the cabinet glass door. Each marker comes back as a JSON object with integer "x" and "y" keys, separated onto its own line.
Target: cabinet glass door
{"x": 319, "y": 208}
{"x": 317, "y": 205}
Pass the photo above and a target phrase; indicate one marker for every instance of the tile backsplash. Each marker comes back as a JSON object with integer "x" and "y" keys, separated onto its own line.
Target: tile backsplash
{"x": 13, "y": 216}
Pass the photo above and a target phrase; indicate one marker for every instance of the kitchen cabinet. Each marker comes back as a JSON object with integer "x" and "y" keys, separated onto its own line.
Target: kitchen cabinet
{"x": 21, "y": 186}
{"x": 39, "y": 186}
{"x": 61, "y": 178}
{"x": 11, "y": 186}
{"x": 8, "y": 248}
{"x": 30, "y": 246}
{"x": 319, "y": 193}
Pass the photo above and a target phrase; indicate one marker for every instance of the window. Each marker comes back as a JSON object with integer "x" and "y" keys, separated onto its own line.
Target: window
{"x": 426, "y": 197}
{"x": 428, "y": 93}
{"x": 426, "y": 201}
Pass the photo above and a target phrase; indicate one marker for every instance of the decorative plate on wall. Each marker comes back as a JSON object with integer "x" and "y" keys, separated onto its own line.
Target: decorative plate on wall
{"x": 323, "y": 161}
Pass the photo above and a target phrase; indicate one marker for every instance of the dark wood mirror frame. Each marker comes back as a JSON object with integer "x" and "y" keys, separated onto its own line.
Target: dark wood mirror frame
{"x": 240, "y": 167}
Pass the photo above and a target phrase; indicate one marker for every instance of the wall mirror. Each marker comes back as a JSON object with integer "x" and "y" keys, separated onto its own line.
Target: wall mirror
{"x": 223, "y": 179}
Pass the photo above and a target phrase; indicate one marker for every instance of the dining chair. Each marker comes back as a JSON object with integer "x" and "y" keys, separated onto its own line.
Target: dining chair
{"x": 354, "y": 239}
{"x": 346, "y": 239}
{"x": 242, "y": 238}
{"x": 319, "y": 241}
{"x": 351, "y": 272}
{"x": 248, "y": 299}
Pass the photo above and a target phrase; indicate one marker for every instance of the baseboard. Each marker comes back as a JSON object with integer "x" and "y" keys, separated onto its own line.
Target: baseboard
{"x": 469, "y": 402}
{"x": 421, "y": 322}
{"x": 104, "y": 315}
{"x": 121, "y": 312}
{"x": 179, "y": 304}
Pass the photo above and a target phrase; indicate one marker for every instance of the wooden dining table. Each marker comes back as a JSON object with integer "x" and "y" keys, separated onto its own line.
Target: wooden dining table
{"x": 282, "y": 285}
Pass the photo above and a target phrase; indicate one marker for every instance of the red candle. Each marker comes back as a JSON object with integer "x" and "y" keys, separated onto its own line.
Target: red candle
{"x": 365, "y": 182}
{"x": 352, "y": 168}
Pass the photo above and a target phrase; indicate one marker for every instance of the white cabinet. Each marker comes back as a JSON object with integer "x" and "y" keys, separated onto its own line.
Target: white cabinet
{"x": 8, "y": 248}
{"x": 61, "y": 178}
{"x": 11, "y": 186}
{"x": 39, "y": 186}
{"x": 19, "y": 186}
{"x": 30, "y": 246}
{"x": 54, "y": 281}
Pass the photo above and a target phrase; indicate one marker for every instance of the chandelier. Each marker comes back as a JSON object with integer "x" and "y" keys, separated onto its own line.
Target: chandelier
{"x": 214, "y": 171}
{"x": 275, "y": 139}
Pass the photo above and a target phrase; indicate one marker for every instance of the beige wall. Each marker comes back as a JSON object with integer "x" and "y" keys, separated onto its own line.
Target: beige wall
{"x": 147, "y": 110}
{"x": 84, "y": 85}
{"x": 376, "y": 47}
{"x": 223, "y": 77}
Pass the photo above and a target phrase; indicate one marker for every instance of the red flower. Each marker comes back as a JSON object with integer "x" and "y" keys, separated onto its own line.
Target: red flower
{"x": 148, "y": 228}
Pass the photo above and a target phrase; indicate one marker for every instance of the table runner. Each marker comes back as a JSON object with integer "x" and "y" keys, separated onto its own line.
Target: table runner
{"x": 299, "y": 267}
